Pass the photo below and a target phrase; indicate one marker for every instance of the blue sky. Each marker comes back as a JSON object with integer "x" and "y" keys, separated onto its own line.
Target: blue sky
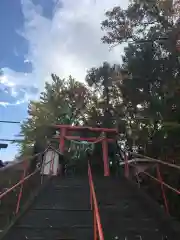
{"x": 40, "y": 37}
{"x": 12, "y": 50}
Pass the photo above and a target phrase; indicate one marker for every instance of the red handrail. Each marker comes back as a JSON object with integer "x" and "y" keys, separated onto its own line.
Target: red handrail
{"x": 158, "y": 179}
{"x": 17, "y": 184}
{"x": 154, "y": 160}
{"x": 21, "y": 190}
{"x": 163, "y": 183}
{"x": 94, "y": 206}
{"x": 23, "y": 179}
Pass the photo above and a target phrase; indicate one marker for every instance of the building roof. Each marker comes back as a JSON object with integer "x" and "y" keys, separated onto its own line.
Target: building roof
{"x": 55, "y": 150}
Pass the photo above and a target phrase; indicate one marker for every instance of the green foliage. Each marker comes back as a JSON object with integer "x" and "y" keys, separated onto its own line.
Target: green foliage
{"x": 151, "y": 93}
{"x": 61, "y": 102}
{"x": 77, "y": 149}
{"x": 151, "y": 96}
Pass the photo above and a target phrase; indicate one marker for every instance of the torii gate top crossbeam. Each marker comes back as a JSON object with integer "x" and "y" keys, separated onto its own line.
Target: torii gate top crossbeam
{"x": 92, "y": 129}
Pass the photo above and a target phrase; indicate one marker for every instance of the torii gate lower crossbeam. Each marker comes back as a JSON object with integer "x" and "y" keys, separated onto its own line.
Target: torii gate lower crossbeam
{"x": 64, "y": 129}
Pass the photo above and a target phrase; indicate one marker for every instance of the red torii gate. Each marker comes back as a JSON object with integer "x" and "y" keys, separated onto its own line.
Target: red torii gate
{"x": 64, "y": 129}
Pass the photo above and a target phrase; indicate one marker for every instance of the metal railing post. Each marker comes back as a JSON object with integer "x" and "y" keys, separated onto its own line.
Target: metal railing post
{"x": 162, "y": 189}
{"x": 98, "y": 232}
{"x": 21, "y": 188}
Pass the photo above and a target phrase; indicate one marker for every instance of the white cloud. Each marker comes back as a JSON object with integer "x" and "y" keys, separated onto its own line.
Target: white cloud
{"x": 16, "y": 87}
{"x": 69, "y": 43}
{"x": 26, "y": 61}
{"x": 5, "y": 80}
{"x": 11, "y": 78}
{"x": 5, "y": 104}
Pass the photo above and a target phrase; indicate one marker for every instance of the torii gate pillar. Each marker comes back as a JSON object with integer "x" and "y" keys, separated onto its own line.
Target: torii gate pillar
{"x": 62, "y": 137}
{"x": 105, "y": 157}
{"x": 61, "y": 145}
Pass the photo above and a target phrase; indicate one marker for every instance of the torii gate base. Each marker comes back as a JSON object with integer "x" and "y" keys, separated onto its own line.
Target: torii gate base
{"x": 64, "y": 129}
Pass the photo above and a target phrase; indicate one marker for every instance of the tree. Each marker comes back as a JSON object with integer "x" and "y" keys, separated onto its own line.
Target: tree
{"x": 142, "y": 21}
{"x": 103, "y": 82}
{"x": 62, "y": 102}
{"x": 151, "y": 93}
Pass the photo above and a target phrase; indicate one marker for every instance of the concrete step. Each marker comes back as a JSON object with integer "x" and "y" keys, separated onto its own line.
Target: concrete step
{"x": 61, "y": 211}
{"x": 122, "y": 213}
{"x": 78, "y": 233}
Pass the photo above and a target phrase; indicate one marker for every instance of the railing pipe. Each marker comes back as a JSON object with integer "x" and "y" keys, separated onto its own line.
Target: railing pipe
{"x": 164, "y": 184}
{"x": 97, "y": 219}
{"x": 21, "y": 189}
{"x": 17, "y": 184}
{"x": 22, "y": 180}
{"x": 162, "y": 189}
{"x": 159, "y": 178}
{"x": 155, "y": 160}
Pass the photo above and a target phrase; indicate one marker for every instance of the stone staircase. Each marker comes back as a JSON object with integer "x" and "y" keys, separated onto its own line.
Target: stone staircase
{"x": 61, "y": 211}
{"x": 127, "y": 213}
